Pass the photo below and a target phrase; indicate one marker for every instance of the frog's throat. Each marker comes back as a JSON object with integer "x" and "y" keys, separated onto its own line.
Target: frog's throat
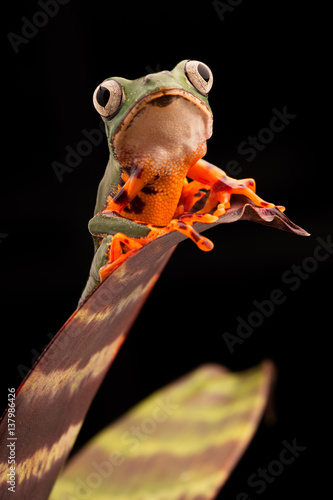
{"x": 162, "y": 126}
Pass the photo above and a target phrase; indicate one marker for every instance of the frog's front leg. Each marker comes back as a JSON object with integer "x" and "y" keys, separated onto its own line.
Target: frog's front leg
{"x": 127, "y": 193}
{"x": 222, "y": 187}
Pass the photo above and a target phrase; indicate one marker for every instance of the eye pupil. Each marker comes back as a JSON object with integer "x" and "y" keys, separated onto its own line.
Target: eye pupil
{"x": 203, "y": 72}
{"x": 102, "y": 96}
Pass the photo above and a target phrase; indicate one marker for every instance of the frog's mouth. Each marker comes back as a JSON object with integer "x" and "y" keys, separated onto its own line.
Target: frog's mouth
{"x": 166, "y": 128}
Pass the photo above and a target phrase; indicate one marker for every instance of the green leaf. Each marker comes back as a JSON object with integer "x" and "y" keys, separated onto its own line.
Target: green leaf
{"x": 180, "y": 443}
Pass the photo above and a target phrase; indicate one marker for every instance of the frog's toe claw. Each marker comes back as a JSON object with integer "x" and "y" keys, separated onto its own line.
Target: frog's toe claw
{"x": 281, "y": 208}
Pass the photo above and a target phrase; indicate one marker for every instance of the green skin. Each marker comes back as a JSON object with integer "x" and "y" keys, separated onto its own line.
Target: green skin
{"x": 103, "y": 226}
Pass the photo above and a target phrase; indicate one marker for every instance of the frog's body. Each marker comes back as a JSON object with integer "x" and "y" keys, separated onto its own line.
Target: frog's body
{"x": 157, "y": 128}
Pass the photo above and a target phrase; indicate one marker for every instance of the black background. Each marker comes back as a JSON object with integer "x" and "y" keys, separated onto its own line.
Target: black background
{"x": 263, "y": 55}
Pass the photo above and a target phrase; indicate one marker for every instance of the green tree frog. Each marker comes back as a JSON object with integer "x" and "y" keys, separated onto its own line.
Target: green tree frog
{"x": 156, "y": 180}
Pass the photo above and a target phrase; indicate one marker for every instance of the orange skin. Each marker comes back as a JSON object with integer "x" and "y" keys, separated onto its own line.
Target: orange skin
{"x": 205, "y": 176}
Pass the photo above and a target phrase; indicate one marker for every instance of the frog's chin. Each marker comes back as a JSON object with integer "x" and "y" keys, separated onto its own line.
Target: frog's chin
{"x": 166, "y": 128}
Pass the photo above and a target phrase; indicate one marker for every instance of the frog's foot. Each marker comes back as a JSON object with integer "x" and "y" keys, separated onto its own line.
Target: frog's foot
{"x": 222, "y": 187}
{"x": 184, "y": 225}
{"x": 120, "y": 248}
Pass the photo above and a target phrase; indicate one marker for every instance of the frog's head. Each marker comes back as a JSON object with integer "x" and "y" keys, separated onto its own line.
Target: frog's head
{"x": 160, "y": 116}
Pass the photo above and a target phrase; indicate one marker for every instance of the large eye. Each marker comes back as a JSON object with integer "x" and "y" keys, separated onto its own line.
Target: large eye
{"x": 108, "y": 98}
{"x": 199, "y": 75}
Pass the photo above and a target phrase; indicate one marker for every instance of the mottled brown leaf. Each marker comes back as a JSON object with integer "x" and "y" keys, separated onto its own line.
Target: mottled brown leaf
{"x": 53, "y": 400}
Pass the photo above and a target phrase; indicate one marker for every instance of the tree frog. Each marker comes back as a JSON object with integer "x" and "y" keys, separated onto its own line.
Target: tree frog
{"x": 156, "y": 180}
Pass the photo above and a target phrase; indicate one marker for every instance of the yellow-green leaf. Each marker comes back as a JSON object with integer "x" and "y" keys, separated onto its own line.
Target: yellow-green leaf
{"x": 180, "y": 443}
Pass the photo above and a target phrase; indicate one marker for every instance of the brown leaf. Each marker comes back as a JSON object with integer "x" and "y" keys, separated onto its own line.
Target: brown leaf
{"x": 53, "y": 400}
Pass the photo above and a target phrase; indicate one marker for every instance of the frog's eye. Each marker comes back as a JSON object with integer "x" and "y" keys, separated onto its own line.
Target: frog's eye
{"x": 108, "y": 98}
{"x": 199, "y": 75}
